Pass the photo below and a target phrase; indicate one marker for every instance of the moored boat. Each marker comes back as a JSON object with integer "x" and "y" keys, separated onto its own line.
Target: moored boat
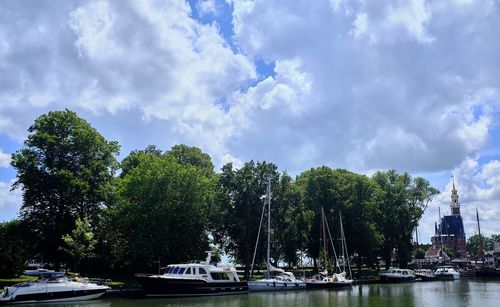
{"x": 276, "y": 279}
{"x": 201, "y": 278}
{"x": 52, "y": 287}
{"x": 425, "y": 274}
{"x": 446, "y": 273}
{"x": 487, "y": 272}
{"x": 397, "y": 275}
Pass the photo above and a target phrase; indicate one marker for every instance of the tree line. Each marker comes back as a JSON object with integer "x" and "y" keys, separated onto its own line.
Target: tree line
{"x": 84, "y": 209}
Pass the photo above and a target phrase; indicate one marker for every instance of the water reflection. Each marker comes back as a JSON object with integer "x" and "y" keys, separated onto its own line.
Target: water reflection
{"x": 464, "y": 292}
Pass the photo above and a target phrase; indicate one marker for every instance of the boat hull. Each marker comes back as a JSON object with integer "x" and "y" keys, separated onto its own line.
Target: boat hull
{"x": 487, "y": 272}
{"x": 57, "y": 296}
{"x": 258, "y": 286}
{"x": 328, "y": 285}
{"x": 396, "y": 279}
{"x": 170, "y": 287}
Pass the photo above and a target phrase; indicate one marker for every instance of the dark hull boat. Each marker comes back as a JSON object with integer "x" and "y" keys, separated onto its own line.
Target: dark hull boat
{"x": 487, "y": 272}
{"x": 169, "y": 287}
{"x": 193, "y": 279}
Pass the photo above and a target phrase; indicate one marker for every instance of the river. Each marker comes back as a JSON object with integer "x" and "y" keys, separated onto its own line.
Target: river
{"x": 464, "y": 292}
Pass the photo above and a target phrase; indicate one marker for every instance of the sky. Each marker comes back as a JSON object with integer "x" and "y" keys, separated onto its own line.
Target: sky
{"x": 362, "y": 85}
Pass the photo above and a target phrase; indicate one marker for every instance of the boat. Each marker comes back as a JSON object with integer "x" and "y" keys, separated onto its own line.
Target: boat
{"x": 197, "y": 278}
{"x": 397, "y": 275}
{"x": 425, "y": 274}
{"x": 53, "y": 287}
{"x": 275, "y": 279}
{"x": 487, "y": 272}
{"x": 339, "y": 279}
{"x": 446, "y": 273}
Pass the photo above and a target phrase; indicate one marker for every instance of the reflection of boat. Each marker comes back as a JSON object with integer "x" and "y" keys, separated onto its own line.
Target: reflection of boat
{"x": 446, "y": 273}
{"x": 194, "y": 279}
{"x": 425, "y": 274}
{"x": 281, "y": 280}
{"x": 52, "y": 287}
{"x": 336, "y": 280}
{"x": 397, "y": 275}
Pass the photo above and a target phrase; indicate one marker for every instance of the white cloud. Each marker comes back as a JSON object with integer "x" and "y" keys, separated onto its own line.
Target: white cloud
{"x": 207, "y": 7}
{"x": 10, "y": 202}
{"x": 4, "y": 159}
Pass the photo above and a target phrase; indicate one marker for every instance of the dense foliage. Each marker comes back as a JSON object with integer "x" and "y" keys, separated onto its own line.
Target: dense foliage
{"x": 170, "y": 206}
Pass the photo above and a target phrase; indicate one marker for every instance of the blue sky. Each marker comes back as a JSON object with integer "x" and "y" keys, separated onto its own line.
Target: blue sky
{"x": 361, "y": 85}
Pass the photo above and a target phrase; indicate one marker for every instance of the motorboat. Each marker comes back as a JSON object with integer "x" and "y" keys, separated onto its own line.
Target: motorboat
{"x": 446, "y": 273}
{"x": 275, "y": 279}
{"x": 53, "y": 287}
{"x": 197, "y": 278}
{"x": 425, "y": 274}
{"x": 325, "y": 281}
{"x": 397, "y": 275}
{"x": 338, "y": 279}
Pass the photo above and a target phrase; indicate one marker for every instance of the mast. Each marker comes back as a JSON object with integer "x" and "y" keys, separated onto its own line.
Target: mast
{"x": 480, "y": 253}
{"x": 268, "y": 198}
{"x": 324, "y": 237}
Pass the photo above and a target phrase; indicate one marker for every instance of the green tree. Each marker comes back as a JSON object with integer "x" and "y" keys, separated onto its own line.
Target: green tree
{"x": 402, "y": 201}
{"x": 80, "y": 243}
{"x": 63, "y": 170}
{"x": 187, "y": 155}
{"x": 14, "y": 247}
{"x": 160, "y": 211}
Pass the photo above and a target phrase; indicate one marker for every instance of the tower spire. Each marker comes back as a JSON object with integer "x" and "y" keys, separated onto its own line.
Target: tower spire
{"x": 455, "y": 206}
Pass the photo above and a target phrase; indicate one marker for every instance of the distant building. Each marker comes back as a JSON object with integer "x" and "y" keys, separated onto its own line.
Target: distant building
{"x": 450, "y": 232}
{"x": 492, "y": 254}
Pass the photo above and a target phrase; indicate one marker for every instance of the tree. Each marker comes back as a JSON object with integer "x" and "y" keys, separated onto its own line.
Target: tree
{"x": 160, "y": 210}
{"x": 80, "y": 243}
{"x": 192, "y": 156}
{"x": 14, "y": 247}
{"x": 64, "y": 170}
{"x": 402, "y": 202}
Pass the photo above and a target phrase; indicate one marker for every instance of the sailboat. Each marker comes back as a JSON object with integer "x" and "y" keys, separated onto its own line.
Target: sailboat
{"x": 275, "y": 279}
{"x": 337, "y": 279}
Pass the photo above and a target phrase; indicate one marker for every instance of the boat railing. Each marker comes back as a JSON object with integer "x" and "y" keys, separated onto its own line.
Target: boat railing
{"x": 97, "y": 281}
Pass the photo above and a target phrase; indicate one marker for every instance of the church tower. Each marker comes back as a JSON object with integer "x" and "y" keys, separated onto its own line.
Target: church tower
{"x": 455, "y": 206}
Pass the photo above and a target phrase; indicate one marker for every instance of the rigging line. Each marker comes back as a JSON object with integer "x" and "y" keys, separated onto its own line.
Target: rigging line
{"x": 257, "y": 241}
{"x": 331, "y": 241}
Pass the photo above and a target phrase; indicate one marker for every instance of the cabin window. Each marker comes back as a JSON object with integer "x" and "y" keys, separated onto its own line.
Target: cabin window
{"x": 170, "y": 270}
{"x": 202, "y": 271}
{"x": 219, "y": 276}
{"x": 188, "y": 271}
{"x": 176, "y": 270}
{"x": 181, "y": 270}
{"x": 405, "y": 273}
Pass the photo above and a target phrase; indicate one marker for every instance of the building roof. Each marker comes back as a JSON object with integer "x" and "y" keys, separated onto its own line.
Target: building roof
{"x": 452, "y": 225}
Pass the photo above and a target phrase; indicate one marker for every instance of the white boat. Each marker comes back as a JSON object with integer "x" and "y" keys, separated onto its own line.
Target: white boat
{"x": 446, "y": 273}
{"x": 52, "y": 287}
{"x": 200, "y": 278}
{"x": 335, "y": 280}
{"x": 425, "y": 274}
{"x": 275, "y": 279}
{"x": 397, "y": 275}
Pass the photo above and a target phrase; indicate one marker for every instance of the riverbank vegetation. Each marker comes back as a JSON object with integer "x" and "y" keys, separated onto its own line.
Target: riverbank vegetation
{"x": 84, "y": 209}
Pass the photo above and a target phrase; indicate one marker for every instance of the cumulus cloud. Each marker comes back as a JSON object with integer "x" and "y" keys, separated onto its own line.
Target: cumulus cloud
{"x": 4, "y": 159}
{"x": 393, "y": 84}
{"x": 10, "y": 201}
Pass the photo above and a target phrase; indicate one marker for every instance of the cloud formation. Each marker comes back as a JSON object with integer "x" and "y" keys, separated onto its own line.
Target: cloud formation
{"x": 362, "y": 85}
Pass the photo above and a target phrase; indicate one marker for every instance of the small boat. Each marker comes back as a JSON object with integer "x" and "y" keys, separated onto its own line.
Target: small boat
{"x": 336, "y": 280}
{"x": 446, "y": 273}
{"x": 52, "y": 287}
{"x": 397, "y": 275}
{"x": 425, "y": 274}
{"x": 276, "y": 279}
{"x": 199, "y": 278}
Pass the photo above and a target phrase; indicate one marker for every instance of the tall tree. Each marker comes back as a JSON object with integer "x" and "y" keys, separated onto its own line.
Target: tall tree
{"x": 160, "y": 211}
{"x": 402, "y": 201}
{"x": 187, "y": 155}
{"x": 80, "y": 243}
{"x": 63, "y": 170}
{"x": 15, "y": 246}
